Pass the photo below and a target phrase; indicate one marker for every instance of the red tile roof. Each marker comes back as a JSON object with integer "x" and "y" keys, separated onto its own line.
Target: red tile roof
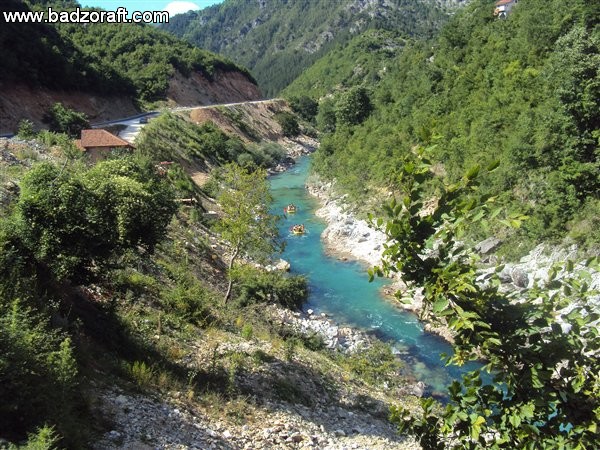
{"x": 100, "y": 138}
{"x": 503, "y": 2}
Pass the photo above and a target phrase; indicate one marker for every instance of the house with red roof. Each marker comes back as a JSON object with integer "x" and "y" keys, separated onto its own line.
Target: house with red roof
{"x": 99, "y": 144}
{"x": 503, "y": 7}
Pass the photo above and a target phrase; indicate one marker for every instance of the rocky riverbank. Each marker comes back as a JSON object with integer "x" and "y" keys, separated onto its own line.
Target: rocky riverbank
{"x": 349, "y": 237}
{"x": 346, "y": 236}
{"x": 299, "y": 146}
{"x": 335, "y": 337}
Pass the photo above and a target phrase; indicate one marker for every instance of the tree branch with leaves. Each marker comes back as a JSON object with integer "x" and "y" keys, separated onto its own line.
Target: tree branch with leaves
{"x": 540, "y": 345}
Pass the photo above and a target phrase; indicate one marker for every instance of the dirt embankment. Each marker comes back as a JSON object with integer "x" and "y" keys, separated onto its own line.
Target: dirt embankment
{"x": 252, "y": 122}
{"x": 225, "y": 87}
{"x": 20, "y": 101}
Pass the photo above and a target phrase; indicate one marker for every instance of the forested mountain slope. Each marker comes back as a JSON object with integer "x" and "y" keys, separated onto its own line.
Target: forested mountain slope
{"x": 362, "y": 60}
{"x": 524, "y": 91}
{"x": 131, "y": 64}
{"x": 278, "y": 39}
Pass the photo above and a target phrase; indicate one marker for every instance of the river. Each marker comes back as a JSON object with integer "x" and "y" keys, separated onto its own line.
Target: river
{"x": 342, "y": 289}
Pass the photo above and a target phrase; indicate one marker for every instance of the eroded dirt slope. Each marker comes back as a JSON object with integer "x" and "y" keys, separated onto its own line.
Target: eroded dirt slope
{"x": 19, "y": 101}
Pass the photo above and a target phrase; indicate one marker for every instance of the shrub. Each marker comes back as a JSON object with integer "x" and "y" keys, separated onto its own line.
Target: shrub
{"x": 65, "y": 120}
{"x": 247, "y": 331}
{"x": 142, "y": 374}
{"x": 313, "y": 341}
{"x": 354, "y": 106}
{"x": 26, "y": 129}
{"x": 289, "y": 124}
{"x": 373, "y": 364}
{"x": 290, "y": 346}
{"x": 255, "y": 286}
{"x": 45, "y": 438}
{"x": 75, "y": 222}
{"x": 326, "y": 120}
{"x": 39, "y": 377}
{"x": 189, "y": 300}
{"x": 305, "y": 107}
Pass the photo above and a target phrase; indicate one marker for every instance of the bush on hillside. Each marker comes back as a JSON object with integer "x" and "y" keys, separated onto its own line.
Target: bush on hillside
{"x": 61, "y": 119}
{"x": 289, "y": 123}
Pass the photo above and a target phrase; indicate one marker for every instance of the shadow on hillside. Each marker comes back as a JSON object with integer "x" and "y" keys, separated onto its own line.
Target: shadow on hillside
{"x": 297, "y": 389}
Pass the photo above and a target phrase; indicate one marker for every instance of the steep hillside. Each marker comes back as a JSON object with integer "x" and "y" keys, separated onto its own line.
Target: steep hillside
{"x": 278, "y": 39}
{"x": 363, "y": 60}
{"x": 521, "y": 90}
{"x": 121, "y": 338}
{"x": 99, "y": 65}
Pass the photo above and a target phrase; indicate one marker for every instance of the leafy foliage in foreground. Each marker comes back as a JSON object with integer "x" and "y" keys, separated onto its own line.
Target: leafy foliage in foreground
{"x": 541, "y": 346}
{"x": 38, "y": 372}
{"x": 74, "y": 223}
{"x": 524, "y": 90}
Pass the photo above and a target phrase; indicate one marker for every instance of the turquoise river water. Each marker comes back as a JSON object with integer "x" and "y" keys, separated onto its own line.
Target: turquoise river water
{"x": 342, "y": 289}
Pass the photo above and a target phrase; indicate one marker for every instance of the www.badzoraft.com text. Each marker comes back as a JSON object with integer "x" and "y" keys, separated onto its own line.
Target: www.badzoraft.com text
{"x": 121, "y": 15}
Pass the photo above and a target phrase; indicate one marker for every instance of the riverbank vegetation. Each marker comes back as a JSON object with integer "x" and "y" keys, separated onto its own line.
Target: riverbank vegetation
{"x": 521, "y": 90}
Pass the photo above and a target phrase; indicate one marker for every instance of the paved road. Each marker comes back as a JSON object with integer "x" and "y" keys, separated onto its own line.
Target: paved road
{"x": 134, "y": 126}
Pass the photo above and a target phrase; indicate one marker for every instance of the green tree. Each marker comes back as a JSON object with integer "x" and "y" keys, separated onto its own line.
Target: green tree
{"x": 326, "y": 116}
{"x": 74, "y": 223}
{"x": 540, "y": 346}
{"x": 353, "y": 106}
{"x": 61, "y": 119}
{"x": 305, "y": 107}
{"x": 246, "y": 222}
{"x": 289, "y": 123}
{"x": 26, "y": 129}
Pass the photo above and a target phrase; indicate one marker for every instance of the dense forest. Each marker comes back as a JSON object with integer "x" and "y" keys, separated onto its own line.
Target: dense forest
{"x": 523, "y": 90}
{"x": 130, "y": 59}
{"x": 277, "y": 40}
